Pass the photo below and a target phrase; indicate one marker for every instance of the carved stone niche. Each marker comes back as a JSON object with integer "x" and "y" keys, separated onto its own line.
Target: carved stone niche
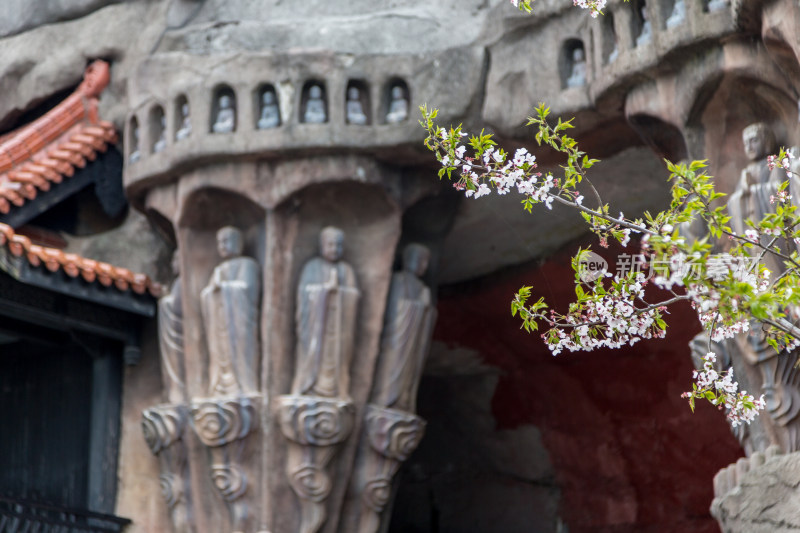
{"x": 223, "y": 110}
{"x": 314, "y": 103}
{"x": 573, "y": 65}
{"x": 157, "y": 129}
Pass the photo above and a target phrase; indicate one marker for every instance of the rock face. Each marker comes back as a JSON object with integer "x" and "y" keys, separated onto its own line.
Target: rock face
{"x": 187, "y": 94}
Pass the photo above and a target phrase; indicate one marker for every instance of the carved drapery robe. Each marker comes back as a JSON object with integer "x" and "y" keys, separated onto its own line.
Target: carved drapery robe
{"x": 327, "y": 301}
{"x": 230, "y": 312}
{"x": 170, "y": 336}
{"x": 410, "y": 317}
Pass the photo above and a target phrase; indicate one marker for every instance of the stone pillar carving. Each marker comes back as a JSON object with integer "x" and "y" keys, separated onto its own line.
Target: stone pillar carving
{"x": 163, "y": 425}
{"x": 391, "y": 428}
{"x": 318, "y": 414}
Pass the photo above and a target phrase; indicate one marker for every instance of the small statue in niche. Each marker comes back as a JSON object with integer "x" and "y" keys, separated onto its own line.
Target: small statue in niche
{"x": 398, "y": 107}
{"x": 327, "y": 302}
{"x": 717, "y": 5}
{"x": 135, "y": 154}
{"x": 646, "y": 34}
{"x": 270, "y": 115}
{"x": 186, "y": 123}
{"x": 577, "y": 77}
{"x": 170, "y": 336}
{"x": 355, "y": 111}
{"x": 410, "y": 316}
{"x": 226, "y": 116}
{"x": 678, "y": 14}
{"x": 230, "y": 313}
{"x": 315, "y": 106}
{"x": 161, "y": 143}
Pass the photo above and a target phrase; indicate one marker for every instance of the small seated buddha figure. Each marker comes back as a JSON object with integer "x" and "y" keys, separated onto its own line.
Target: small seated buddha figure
{"x": 226, "y": 116}
{"x": 315, "y": 107}
{"x": 186, "y": 123}
{"x": 578, "y": 76}
{"x": 161, "y": 142}
{"x": 398, "y": 107}
{"x": 678, "y": 14}
{"x": 717, "y": 5}
{"x": 270, "y": 115}
{"x": 646, "y": 34}
{"x": 355, "y": 111}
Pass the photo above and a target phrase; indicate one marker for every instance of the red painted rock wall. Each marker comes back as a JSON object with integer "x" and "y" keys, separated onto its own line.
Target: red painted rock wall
{"x": 628, "y": 454}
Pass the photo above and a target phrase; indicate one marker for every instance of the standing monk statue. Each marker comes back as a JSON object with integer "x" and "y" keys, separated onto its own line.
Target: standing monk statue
{"x": 170, "y": 337}
{"x": 327, "y": 302}
{"x": 410, "y": 316}
{"x": 230, "y": 313}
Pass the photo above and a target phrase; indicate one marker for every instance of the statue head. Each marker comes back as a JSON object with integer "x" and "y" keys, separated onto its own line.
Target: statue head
{"x": 268, "y": 98}
{"x": 315, "y": 92}
{"x": 397, "y": 93}
{"x": 416, "y": 258}
{"x": 331, "y": 243}
{"x": 229, "y": 242}
{"x": 185, "y": 110}
{"x": 224, "y": 102}
{"x": 353, "y": 93}
{"x": 758, "y": 140}
{"x": 578, "y": 56}
{"x": 643, "y": 11}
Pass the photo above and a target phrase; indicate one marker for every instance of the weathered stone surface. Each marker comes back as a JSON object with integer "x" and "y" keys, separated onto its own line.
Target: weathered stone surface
{"x": 20, "y": 15}
{"x": 763, "y": 499}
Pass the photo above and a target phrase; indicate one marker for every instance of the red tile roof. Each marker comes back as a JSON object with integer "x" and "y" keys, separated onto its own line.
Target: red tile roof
{"x": 53, "y": 146}
{"x": 74, "y": 265}
{"x": 46, "y": 151}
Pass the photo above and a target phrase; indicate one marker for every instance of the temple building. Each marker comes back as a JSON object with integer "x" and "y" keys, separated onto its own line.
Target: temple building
{"x": 235, "y": 296}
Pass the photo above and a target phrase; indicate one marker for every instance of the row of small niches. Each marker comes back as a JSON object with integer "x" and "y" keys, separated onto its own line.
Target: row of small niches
{"x": 313, "y": 110}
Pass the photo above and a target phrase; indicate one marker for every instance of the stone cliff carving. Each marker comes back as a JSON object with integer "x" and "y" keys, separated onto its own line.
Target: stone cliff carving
{"x": 170, "y": 334}
{"x": 226, "y": 116}
{"x": 398, "y": 107}
{"x": 230, "y": 312}
{"x": 327, "y": 301}
{"x": 186, "y": 123}
{"x": 270, "y": 115}
{"x": 392, "y": 429}
{"x": 318, "y": 415}
{"x": 163, "y": 427}
{"x": 315, "y": 112}
{"x": 355, "y": 111}
{"x": 577, "y": 77}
